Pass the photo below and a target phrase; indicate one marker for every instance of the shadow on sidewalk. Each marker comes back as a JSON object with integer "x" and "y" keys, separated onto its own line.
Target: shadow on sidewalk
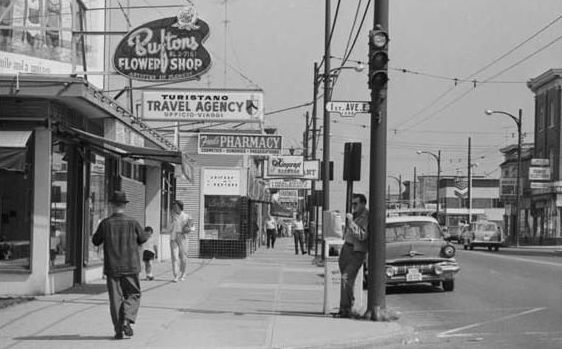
{"x": 64, "y": 337}
{"x": 256, "y": 312}
{"x": 92, "y": 289}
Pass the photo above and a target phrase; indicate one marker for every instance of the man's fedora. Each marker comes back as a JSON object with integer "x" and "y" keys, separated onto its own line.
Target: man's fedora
{"x": 119, "y": 197}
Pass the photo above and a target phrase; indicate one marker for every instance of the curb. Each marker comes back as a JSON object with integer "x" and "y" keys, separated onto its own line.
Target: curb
{"x": 402, "y": 335}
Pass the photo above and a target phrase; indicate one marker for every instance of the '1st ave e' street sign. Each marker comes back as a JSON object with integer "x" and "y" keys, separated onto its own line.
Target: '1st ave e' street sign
{"x": 348, "y": 108}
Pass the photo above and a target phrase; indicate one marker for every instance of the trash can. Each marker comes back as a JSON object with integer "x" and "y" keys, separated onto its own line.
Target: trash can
{"x": 332, "y": 278}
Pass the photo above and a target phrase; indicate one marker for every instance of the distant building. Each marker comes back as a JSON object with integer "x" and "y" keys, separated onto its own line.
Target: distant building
{"x": 546, "y": 185}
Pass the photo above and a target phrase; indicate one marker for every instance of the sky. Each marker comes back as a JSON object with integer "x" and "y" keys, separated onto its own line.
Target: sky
{"x": 273, "y": 44}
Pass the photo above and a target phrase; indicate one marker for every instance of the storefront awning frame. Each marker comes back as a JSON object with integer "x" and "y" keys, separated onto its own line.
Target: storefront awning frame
{"x": 13, "y": 150}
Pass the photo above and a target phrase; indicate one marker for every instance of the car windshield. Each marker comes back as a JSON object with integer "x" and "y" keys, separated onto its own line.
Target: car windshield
{"x": 486, "y": 227}
{"x": 404, "y": 231}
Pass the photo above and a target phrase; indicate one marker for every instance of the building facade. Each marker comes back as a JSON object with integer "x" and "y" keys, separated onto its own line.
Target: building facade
{"x": 546, "y": 197}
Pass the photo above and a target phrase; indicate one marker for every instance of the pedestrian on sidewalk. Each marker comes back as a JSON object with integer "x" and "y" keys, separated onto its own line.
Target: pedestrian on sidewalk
{"x": 149, "y": 253}
{"x": 298, "y": 233}
{"x": 353, "y": 251}
{"x": 271, "y": 231}
{"x": 179, "y": 226}
{"x": 121, "y": 237}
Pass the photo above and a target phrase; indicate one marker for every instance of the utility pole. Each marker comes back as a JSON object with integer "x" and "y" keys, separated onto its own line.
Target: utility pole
{"x": 305, "y": 136}
{"x": 326, "y": 137}
{"x": 469, "y": 182}
{"x": 378, "y": 70}
{"x": 415, "y": 188}
{"x": 314, "y": 209}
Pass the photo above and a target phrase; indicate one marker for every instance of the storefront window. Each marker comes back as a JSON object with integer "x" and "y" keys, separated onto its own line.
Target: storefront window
{"x": 16, "y": 196}
{"x": 98, "y": 205}
{"x": 59, "y": 242}
{"x": 222, "y": 217}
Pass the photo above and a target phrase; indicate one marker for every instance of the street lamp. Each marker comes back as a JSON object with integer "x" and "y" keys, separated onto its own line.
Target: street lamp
{"x": 518, "y": 190}
{"x": 438, "y": 159}
{"x": 399, "y": 180}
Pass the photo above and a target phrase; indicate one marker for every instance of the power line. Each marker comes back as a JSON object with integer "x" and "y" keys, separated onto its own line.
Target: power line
{"x": 331, "y": 31}
{"x": 446, "y": 92}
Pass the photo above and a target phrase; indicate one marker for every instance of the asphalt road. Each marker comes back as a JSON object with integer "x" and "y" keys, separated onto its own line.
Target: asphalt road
{"x": 506, "y": 299}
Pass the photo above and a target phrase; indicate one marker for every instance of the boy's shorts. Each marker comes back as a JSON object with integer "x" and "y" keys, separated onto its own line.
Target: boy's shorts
{"x": 147, "y": 256}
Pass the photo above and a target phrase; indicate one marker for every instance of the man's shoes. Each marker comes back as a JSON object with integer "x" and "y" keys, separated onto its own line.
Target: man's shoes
{"x": 342, "y": 315}
{"x": 118, "y": 335}
{"x": 127, "y": 329}
{"x": 175, "y": 279}
{"x": 182, "y": 278}
{"x": 150, "y": 278}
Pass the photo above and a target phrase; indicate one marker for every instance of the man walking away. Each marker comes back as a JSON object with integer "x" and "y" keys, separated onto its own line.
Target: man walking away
{"x": 352, "y": 254}
{"x": 121, "y": 237}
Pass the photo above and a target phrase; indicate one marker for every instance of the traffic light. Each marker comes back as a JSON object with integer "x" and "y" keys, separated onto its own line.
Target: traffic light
{"x": 378, "y": 59}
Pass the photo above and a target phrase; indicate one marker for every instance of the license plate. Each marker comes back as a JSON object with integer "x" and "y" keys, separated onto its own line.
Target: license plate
{"x": 413, "y": 275}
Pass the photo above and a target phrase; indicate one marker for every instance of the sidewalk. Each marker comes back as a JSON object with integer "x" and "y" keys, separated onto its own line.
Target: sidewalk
{"x": 272, "y": 299}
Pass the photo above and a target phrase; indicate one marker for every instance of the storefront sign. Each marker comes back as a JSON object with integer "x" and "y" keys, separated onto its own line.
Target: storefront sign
{"x": 540, "y": 162}
{"x": 540, "y": 185}
{"x": 285, "y": 166}
{"x": 508, "y": 186}
{"x": 221, "y": 182}
{"x": 311, "y": 169}
{"x": 237, "y": 144}
{"x": 289, "y": 184}
{"x": 203, "y": 105}
{"x": 539, "y": 173}
{"x": 291, "y": 194}
{"x": 167, "y": 49}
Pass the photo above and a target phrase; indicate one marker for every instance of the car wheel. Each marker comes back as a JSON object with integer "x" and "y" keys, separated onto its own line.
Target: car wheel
{"x": 471, "y": 247}
{"x": 448, "y": 285}
{"x": 497, "y": 248}
{"x": 489, "y": 248}
{"x": 466, "y": 247}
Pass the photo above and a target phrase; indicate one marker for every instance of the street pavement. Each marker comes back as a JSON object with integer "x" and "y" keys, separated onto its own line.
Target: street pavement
{"x": 273, "y": 299}
{"x": 507, "y": 299}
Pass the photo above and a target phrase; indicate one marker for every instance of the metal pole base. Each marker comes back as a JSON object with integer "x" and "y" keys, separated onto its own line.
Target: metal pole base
{"x": 380, "y": 314}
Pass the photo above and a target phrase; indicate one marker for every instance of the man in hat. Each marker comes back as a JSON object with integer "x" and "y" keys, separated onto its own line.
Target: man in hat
{"x": 121, "y": 237}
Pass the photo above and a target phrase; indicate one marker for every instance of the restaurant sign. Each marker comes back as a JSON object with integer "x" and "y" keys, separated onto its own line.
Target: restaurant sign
{"x": 167, "y": 49}
{"x": 203, "y": 105}
{"x": 285, "y": 166}
{"x": 239, "y": 144}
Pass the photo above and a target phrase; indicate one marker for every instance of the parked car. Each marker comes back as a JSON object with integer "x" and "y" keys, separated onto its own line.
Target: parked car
{"x": 482, "y": 234}
{"x": 454, "y": 233}
{"x": 416, "y": 252}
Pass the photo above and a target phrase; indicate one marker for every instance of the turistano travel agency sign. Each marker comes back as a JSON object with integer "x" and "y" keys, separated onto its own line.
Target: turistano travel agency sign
{"x": 239, "y": 144}
{"x": 167, "y": 49}
{"x": 203, "y": 105}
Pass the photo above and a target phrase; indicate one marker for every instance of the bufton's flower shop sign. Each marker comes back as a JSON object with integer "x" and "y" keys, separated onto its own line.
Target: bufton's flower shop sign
{"x": 168, "y": 49}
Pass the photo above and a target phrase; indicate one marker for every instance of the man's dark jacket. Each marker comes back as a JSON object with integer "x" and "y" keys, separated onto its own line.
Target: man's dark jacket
{"x": 121, "y": 236}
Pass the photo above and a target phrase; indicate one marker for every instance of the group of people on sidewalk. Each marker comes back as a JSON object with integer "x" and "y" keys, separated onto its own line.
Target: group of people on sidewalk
{"x": 122, "y": 236}
{"x": 303, "y": 237}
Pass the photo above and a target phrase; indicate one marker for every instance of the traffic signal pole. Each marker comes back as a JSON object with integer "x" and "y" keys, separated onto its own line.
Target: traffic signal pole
{"x": 376, "y": 302}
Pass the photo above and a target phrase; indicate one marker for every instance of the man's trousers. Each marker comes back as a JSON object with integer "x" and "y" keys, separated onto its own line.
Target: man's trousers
{"x": 124, "y": 298}
{"x": 349, "y": 262}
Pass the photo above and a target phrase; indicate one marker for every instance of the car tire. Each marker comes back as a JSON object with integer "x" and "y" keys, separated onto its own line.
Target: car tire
{"x": 448, "y": 285}
{"x": 497, "y": 248}
{"x": 490, "y": 248}
{"x": 466, "y": 247}
{"x": 471, "y": 247}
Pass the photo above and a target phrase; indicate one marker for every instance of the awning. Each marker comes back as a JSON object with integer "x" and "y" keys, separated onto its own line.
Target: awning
{"x": 127, "y": 150}
{"x": 13, "y": 148}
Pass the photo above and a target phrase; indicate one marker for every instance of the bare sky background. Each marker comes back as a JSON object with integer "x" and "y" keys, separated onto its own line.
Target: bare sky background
{"x": 274, "y": 43}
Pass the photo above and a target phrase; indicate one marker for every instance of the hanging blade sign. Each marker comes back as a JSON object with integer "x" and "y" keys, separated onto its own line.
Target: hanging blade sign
{"x": 167, "y": 49}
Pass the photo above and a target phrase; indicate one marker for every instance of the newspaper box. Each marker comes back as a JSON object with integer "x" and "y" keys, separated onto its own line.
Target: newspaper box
{"x": 332, "y": 278}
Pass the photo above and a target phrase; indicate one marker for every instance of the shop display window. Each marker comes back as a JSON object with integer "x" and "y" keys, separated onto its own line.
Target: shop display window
{"x": 59, "y": 241}
{"x": 98, "y": 204}
{"x": 222, "y": 217}
{"x": 16, "y": 196}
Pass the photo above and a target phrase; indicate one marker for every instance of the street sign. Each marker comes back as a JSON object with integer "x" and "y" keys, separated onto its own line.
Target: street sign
{"x": 348, "y": 108}
{"x": 540, "y": 162}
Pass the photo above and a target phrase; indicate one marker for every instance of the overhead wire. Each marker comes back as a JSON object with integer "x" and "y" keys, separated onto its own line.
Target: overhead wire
{"x": 446, "y": 92}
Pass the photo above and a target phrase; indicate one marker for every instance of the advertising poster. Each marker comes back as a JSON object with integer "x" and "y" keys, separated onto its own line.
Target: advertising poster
{"x": 203, "y": 105}
{"x": 38, "y": 37}
{"x": 239, "y": 144}
{"x": 222, "y": 182}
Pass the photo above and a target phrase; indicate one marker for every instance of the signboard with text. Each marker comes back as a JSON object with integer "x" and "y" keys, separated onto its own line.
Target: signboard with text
{"x": 221, "y": 182}
{"x": 348, "y": 108}
{"x": 289, "y": 184}
{"x": 311, "y": 169}
{"x": 167, "y": 49}
{"x": 539, "y": 173}
{"x": 203, "y": 105}
{"x": 285, "y": 166}
{"x": 239, "y": 144}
